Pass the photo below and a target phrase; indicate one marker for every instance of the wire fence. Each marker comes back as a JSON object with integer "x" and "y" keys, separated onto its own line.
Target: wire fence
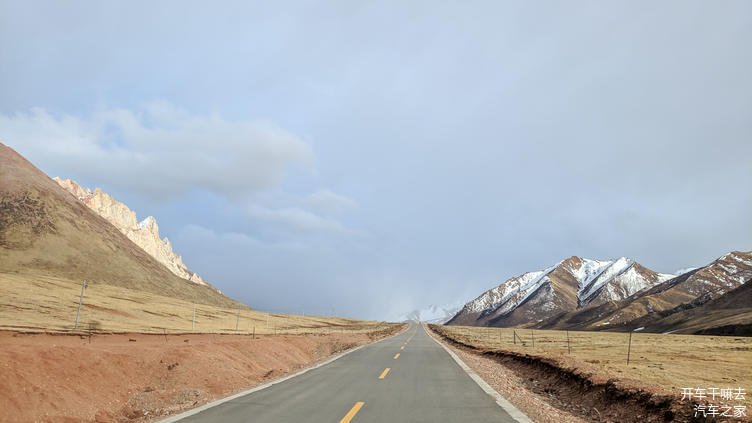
{"x": 672, "y": 361}
{"x": 50, "y": 304}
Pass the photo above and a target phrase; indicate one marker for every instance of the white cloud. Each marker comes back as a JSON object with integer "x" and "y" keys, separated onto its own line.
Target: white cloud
{"x": 325, "y": 201}
{"x": 158, "y": 150}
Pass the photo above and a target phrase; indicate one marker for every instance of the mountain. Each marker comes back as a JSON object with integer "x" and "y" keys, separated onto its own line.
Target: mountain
{"x": 145, "y": 234}
{"x": 652, "y": 308}
{"x": 44, "y": 230}
{"x": 569, "y": 285}
{"x": 433, "y": 313}
{"x": 729, "y": 314}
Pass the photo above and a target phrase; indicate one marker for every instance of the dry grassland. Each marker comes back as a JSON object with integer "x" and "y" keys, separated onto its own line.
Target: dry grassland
{"x": 49, "y": 304}
{"x": 671, "y": 362}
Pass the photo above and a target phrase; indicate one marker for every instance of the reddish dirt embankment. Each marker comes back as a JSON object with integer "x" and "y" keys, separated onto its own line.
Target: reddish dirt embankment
{"x": 124, "y": 377}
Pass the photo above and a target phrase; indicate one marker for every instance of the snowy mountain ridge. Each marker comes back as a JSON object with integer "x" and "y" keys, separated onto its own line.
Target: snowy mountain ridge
{"x": 501, "y": 297}
{"x": 590, "y": 281}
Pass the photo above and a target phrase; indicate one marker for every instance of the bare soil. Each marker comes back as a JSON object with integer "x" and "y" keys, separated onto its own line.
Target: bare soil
{"x": 140, "y": 377}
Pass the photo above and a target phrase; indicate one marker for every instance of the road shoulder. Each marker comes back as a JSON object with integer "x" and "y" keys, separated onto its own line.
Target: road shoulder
{"x": 507, "y": 406}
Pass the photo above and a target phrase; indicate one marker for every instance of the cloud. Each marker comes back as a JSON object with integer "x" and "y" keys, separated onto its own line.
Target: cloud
{"x": 159, "y": 150}
{"x": 325, "y": 201}
{"x": 236, "y": 241}
{"x": 295, "y": 218}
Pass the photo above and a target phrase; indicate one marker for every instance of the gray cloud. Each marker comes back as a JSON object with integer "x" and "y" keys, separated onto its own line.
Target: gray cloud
{"x": 295, "y": 218}
{"x": 159, "y": 150}
{"x": 328, "y": 202}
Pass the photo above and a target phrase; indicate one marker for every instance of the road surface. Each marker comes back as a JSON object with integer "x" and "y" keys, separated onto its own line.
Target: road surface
{"x": 405, "y": 378}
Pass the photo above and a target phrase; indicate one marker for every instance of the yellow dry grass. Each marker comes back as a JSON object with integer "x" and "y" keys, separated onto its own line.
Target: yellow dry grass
{"x": 670, "y": 361}
{"x": 44, "y": 303}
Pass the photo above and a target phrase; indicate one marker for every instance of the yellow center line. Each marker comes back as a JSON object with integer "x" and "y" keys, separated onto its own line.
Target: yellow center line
{"x": 353, "y": 411}
{"x": 396, "y": 356}
{"x": 383, "y": 374}
{"x": 402, "y": 347}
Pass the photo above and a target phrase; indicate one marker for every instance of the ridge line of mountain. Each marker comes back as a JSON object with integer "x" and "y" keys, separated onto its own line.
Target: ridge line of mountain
{"x": 144, "y": 233}
{"x": 47, "y": 232}
{"x": 581, "y": 293}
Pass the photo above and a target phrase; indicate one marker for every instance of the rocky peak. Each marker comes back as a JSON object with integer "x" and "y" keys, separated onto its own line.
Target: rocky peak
{"x": 145, "y": 234}
{"x": 571, "y": 284}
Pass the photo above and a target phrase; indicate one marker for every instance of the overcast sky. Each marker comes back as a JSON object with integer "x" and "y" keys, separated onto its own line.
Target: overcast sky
{"x": 369, "y": 158}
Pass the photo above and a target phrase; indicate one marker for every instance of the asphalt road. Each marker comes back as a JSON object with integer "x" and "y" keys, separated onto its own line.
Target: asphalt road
{"x": 423, "y": 384}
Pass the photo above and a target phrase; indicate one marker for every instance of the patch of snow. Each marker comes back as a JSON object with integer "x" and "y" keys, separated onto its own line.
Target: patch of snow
{"x": 589, "y": 271}
{"x": 685, "y": 270}
{"x": 741, "y": 259}
{"x": 639, "y": 329}
{"x": 146, "y": 222}
{"x": 663, "y": 277}
{"x": 507, "y": 296}
{"x": 614, "y": 269}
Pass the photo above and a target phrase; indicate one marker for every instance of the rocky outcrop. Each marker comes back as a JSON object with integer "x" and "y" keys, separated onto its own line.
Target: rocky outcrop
{"x": 145, "y": 233}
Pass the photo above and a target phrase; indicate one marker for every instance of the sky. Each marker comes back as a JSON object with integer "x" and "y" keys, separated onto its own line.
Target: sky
{"x": 367, "y": 158}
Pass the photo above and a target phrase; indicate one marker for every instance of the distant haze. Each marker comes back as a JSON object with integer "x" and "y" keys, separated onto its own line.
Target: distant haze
{"x": 372, "y": 159}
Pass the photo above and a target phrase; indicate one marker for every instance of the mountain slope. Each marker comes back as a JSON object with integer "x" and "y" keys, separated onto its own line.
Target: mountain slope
{"x": 569, "y": 285}
{"x": 646, "y": 308}
{"x": 46, "y": 231}
{"x": 145, "y": 234}
{"x": 729, "y": 314}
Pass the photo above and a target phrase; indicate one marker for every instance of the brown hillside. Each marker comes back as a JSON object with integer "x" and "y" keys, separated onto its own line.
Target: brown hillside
{"x": 44, "y": 230}
{"x": 651, "y": 308}
{"x": 729, "y": 314}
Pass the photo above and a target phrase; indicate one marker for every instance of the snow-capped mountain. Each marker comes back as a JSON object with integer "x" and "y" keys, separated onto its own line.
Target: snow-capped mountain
{"x": 433, "y": 313}
{"x": 661, "y": 307}
{"x": 569, "y": 285}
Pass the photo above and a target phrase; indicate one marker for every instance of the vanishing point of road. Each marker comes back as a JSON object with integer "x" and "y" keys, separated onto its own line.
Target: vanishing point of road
{"x": 405, "y": 378}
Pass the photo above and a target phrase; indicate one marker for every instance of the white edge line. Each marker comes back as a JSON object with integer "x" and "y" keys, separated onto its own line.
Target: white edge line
{"x": 513, "y": 411}
{"x": 191, "y": 412}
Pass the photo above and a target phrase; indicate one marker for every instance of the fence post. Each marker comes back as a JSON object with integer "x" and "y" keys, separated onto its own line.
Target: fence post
{"x": 532, "y": 334}
{"x": 569, "y": 348}
{"x": 514, "y": 336}
{"x": 237, "y": 321}
{"x": 629, "y": 349}
{"x": 80, "y": 300}
{"x": 254, "y": 332}
{"x": 193, "y": 323}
